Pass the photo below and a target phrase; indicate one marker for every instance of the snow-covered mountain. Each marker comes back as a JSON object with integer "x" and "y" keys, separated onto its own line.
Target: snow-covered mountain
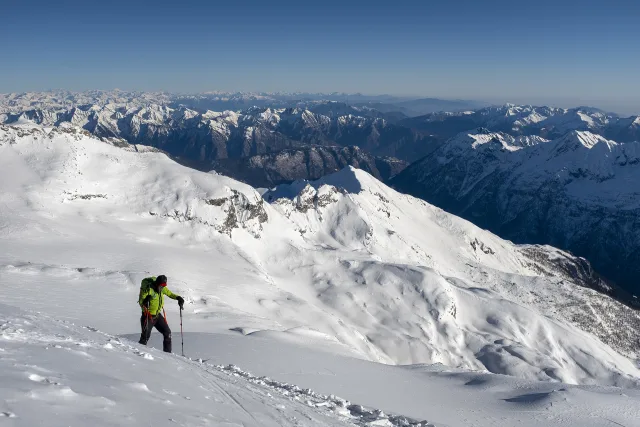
{"x": 579, "y": 192}
{"x": 63, "y": 100}
{"x": 309, "y": 283}
{"x": 235, "y": 101}
{"x": 257, "y": 127}
{"x": 546, "y": 122}
{"x": 201, "y": 139}
{"x": 386, "y": 275}
{"x": 55, "y": 372}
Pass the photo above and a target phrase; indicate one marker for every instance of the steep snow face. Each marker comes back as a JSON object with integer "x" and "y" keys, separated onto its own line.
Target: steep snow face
{"x": 576, "y": 192}
{"x": 384, "y": 276}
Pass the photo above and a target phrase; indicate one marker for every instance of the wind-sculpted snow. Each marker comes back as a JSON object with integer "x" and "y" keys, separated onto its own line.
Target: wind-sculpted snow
{"x": 389, "y": 277}
{"x": 433, "y": 292}
{"x": 578, "y": 192}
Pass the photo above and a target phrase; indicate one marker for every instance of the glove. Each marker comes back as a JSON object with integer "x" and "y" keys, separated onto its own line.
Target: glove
{"x": 180, "y": 302}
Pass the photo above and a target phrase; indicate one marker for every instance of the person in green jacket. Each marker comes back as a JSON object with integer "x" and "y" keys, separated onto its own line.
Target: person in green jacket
{"x": 151, "y": 301}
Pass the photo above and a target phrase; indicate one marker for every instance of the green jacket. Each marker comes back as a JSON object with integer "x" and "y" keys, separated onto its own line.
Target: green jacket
{"x": 156, "y": 301}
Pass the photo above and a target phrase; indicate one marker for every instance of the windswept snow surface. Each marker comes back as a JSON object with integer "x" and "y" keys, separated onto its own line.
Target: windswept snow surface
{"x": 441, "y": 395}
{"x": 344, "y": 267}
{"x": 56, "y": 373}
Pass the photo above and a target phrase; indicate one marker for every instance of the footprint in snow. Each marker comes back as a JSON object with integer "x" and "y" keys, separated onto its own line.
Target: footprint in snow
{"x": 173, "y": 393}
{"x": 8, "y": 414}
{"x": 144, "y": 355}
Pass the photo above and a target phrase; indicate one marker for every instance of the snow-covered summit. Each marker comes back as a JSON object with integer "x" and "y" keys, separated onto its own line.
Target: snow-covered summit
{"x": 488, "y": 140}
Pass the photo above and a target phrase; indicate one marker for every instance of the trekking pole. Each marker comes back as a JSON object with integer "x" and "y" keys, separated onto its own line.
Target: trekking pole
{"x": 181, "y": 334}
{"x": 146, "y": 320}
{"x": 146, "y": 325}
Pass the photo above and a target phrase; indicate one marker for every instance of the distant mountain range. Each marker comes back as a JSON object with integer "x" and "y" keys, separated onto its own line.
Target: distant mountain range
{"x": 234, "y": 101}
{"x": 547, "y": 122}
{"x": 203, "y": 139}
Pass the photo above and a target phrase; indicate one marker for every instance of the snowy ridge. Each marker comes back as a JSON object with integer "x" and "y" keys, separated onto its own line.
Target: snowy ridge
{"x": 368, "y": 216}
{"x": 546, "y": 122}
{"x": 343, "y": 271}
{"x": 575, "y": 153}
{"x": 389, "y": 276}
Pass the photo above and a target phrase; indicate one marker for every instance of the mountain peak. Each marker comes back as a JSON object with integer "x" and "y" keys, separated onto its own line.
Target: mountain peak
{"x": 482, "y": 138}
{"x": 577, "y": 139}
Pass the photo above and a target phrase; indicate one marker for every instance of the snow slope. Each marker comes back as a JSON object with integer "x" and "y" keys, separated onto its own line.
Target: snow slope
{"x": 345, "y": 265}
{"x": 57, "y": 373}
{"x": 441, "y": 395}
{"x": 54, "y": 374}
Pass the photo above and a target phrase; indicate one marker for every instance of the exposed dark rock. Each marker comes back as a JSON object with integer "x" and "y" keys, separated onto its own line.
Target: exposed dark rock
{"x": 308, "y": 163}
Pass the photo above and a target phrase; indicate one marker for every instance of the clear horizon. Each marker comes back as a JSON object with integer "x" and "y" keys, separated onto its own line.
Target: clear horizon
{"x": 564, "y": 53}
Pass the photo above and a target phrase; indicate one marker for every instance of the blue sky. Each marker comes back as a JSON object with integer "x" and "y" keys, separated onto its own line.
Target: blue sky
{"x": 558, "y": 52}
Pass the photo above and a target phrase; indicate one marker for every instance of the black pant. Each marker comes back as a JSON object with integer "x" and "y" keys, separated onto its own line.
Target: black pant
{"x": 161, "y": 325}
